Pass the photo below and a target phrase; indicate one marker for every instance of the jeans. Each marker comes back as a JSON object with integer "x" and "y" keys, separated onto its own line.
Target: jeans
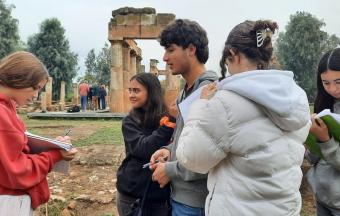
{"x": 180, "y": 209}
{"x": 323, "y": 210}
{"x": 83, "y": 102}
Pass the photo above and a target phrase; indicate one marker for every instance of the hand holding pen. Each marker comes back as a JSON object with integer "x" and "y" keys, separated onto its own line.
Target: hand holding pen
{"x": 147, "y": 165}
{"x": 64, "y": 137}
{"x": 67, "y": 155}
{"x": 159, "y": 156}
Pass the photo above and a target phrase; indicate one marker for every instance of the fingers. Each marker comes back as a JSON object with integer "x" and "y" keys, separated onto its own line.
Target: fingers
{"x": 320, "y": 122}
{"x": 69, "y": 155}
{"x": 209, "y": 91}
{"x": 319, "y": 129}
{"x": 66, "y": 139}
{"x": 172, "y": 109}
{"x": 153, "y": 166}
{"x": 160, "y": 176}
{"x": 154, "y": 157}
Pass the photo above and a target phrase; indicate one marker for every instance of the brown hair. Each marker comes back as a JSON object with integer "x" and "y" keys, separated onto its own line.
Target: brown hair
{"x": 22, "y": 70}
{"x": 243, "y": 39}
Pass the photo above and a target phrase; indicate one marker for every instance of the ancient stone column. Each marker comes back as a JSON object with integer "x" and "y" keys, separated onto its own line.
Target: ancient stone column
{"x": 126, "y": 76}
{"x": 153, "y": 66}
{"x": 142, "y": 69}
{"x": 62, "y": 96}
{"x": 133, "y": 64}
{"x": 172, "y": 81}
{"x": 48, "y": 89}
{"x": 172, "y": 86}
{"x": 75, "y": 99}
{"x": 116, "y": 82}
{"x": 43, "y": 101}
{"x": 138, "y": 63}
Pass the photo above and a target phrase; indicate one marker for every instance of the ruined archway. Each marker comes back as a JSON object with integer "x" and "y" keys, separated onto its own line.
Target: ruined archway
{"x": 126, "y": 25}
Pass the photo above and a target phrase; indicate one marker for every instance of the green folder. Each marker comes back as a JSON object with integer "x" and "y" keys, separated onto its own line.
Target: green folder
{"x": 333, "y": 129}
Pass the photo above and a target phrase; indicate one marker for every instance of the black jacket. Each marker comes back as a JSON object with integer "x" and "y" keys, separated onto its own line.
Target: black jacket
{"x": 140, "y": 144}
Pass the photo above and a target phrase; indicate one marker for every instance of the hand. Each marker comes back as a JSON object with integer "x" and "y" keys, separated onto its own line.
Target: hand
{"x": 172, "y": 109}
{"x": 209, "y": 91}
{"x": 319, "y": 129}
{"x": 159, "y": 175}
{"x": 68, "y": 155}
{"x": 66, "y": 139}
{"x": 159, "y": 156}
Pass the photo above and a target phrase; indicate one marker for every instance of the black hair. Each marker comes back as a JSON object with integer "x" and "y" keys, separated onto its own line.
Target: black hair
{"x": 183, "y": 32}
{"x": 149, "y": 115}
{"x": 243, "y": 39}
{"x": 329, "y": 61}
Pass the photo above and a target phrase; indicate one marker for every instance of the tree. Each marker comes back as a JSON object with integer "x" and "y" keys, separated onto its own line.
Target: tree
{"x": 90, "y": 64}
{"x": 98, "y": 67}
{"x": 329, "y": 44}
{"x": 53, "y": 49}
{"x": 9, "y": 36}
{"x": 103, "y": 65}
{"x": 300, "y": 47}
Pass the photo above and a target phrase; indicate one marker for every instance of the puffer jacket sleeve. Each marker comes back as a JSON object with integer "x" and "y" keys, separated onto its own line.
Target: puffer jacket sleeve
{"x": 204, "y": 140}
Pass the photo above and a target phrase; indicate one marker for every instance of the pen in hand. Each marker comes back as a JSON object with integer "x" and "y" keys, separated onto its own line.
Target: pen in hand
{"x": 148, "y": 164}
{"x": 68, "y": 131}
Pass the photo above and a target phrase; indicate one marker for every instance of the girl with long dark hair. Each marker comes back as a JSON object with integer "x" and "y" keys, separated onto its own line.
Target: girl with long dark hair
{"x": 147, "y": 128}
{"x": 324, "y": 176}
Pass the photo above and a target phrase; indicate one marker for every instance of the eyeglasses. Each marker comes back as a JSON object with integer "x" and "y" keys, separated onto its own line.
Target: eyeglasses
{"x": 134, "y": 90}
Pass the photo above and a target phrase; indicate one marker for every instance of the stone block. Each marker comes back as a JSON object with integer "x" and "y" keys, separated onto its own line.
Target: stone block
{"x": 164, "y": 18}
{"x": 124, "y": 32}
{"x": 120, "y": 20}
{"x": 132, "y": 19}
{"x": 150, "y": 32}
{"x": 148, "y": 19}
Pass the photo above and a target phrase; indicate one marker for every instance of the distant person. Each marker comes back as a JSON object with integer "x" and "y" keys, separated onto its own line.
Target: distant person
{"x": 89, "y": 97}
{"x": 102, "y": 97}
{"x": 83, "y": 91}
{"x": 248, "y": 136}
{"x": 147, "y": 128}
{"x": 186, "y": 52}
{"x": 23, "y": 183}
{"x": 324, "y": 176}
{"x": 95, "y": 96}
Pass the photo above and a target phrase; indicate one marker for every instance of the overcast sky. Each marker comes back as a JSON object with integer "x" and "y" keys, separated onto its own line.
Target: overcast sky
{"x": 86, "y": 21}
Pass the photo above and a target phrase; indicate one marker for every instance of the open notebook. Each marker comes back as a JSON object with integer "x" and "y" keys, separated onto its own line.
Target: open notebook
{"x": 40, "y": 144}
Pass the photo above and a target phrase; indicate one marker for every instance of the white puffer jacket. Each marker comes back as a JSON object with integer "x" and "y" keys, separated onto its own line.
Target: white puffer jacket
{"x": 249, "y": 137}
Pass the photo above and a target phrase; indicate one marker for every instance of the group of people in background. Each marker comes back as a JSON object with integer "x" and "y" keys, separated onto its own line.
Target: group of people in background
{"x": 237, "y": 152}
{"x": 92, "y": 96}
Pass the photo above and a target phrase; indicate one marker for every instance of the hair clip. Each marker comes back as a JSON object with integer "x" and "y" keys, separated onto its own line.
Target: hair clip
{"x": 261, "y": 35}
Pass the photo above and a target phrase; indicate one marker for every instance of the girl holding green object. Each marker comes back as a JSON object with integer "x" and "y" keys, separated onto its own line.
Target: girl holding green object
{"x": 324, "y": 176}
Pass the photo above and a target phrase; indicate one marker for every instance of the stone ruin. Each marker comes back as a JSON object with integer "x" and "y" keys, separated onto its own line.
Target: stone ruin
{"x": 126, "y": 25}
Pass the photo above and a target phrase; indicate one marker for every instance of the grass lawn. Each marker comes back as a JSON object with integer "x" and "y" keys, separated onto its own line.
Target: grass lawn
{"x": 84, "y": 132}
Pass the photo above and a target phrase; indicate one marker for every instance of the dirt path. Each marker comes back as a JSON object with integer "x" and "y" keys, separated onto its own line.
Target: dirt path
{"x": 90, "y": 187}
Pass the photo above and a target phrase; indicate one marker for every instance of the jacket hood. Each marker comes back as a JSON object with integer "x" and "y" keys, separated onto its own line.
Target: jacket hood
{"x": 282, "y": 99}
